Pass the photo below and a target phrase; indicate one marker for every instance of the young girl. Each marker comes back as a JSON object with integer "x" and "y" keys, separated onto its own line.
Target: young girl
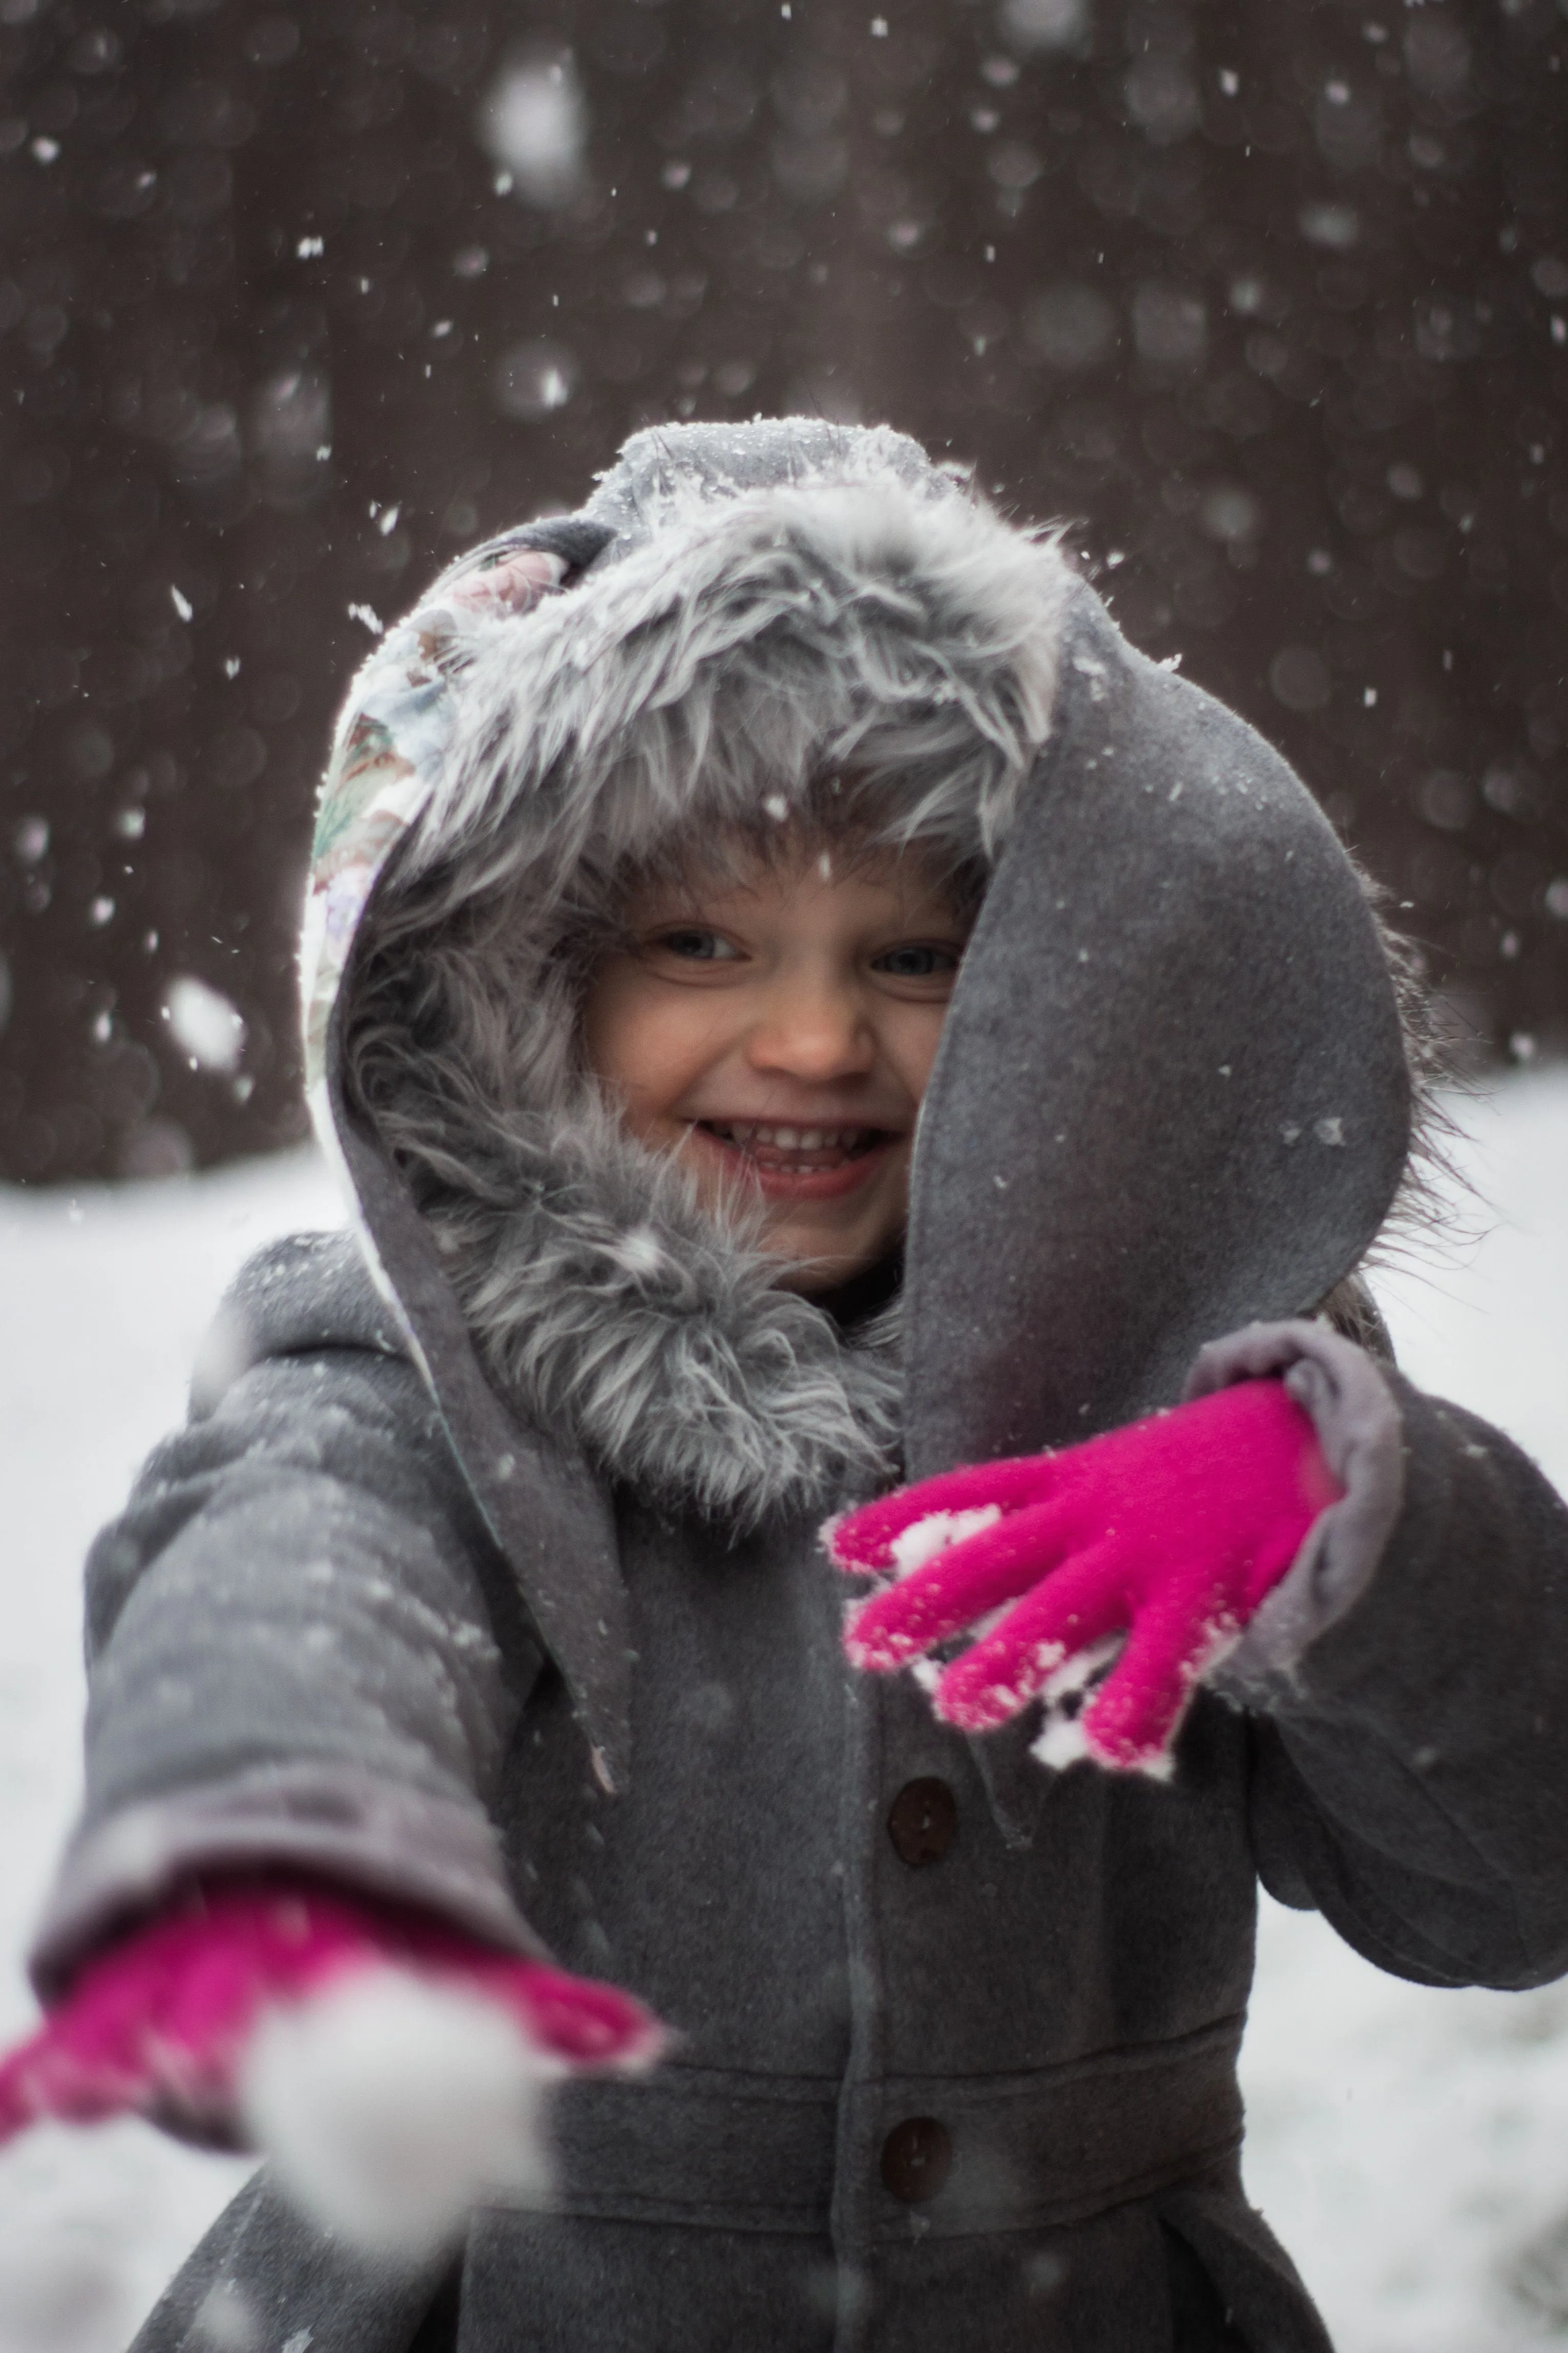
{"x": 801, "y": 1005}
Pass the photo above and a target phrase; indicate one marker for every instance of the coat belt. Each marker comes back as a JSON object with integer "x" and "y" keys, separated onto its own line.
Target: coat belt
{"x": 717, "y": 2148}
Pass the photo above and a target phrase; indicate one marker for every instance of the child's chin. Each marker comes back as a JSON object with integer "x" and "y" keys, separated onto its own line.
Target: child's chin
{"x": 815, "y": 1258}
{"x": 820, "y": 1244}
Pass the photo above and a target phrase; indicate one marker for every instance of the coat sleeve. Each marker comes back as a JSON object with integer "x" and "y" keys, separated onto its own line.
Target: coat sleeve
{"x": 292, "y": 1642}
{"x": 1408, "y": 1681}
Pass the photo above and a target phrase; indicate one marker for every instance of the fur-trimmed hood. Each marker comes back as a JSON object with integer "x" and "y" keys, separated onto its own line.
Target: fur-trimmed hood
{"x": 842, "y": 610}
{"x": 1171, "y": 1093}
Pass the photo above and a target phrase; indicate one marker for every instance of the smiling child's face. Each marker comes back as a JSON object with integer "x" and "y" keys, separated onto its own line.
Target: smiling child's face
{"x": 776, "y": 1034}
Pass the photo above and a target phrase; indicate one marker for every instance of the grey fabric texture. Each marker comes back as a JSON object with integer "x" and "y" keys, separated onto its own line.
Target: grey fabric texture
{"x": 311, "y": 1673}
{"x": 261, "y": 2268}
{"x": 366, "y": 1617}
{"x": 1250, "y": 1142}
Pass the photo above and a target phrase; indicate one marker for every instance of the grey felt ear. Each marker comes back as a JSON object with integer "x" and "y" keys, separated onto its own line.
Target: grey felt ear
{"x": 1171, "y": 1095}
{"x": 576, "y": 540}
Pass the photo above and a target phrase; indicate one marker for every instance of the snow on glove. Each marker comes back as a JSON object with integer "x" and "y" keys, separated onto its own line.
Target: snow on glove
{"x": 1163, "y": 1536}
{"x": 391, "y": 2068}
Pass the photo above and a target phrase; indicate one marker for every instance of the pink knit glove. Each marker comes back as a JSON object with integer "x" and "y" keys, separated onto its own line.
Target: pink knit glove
{"x": 1168, "y": 1532}
{"x": 161, "y": 2022}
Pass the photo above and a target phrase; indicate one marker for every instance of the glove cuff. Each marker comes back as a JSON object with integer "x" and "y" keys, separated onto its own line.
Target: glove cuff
{"x": 1356, "y": 1417}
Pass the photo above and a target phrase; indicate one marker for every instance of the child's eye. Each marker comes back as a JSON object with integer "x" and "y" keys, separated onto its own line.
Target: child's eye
{"x": 917, "y": 961}
{"x": 695, "y": 946}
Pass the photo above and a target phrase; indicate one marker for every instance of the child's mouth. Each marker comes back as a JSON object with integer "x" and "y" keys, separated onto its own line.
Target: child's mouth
{"x": 797, "y": 1151}
{"x": 799, "y": 1158}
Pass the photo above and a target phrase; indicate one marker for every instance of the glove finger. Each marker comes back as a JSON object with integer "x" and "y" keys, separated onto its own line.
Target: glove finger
{"x": 863, "y": 1540}
{"x": 19, "y": 2104}
{"x": 1064, "y": 1614}
{"x": 970, "y": 1578}
{"x": 93, "y": 2057}
{"x": 25, "y": 2093}
{"x": 1133, "y": 1719}
{"x": 578, "y": 2020}
{"x": 47, "y": 2078}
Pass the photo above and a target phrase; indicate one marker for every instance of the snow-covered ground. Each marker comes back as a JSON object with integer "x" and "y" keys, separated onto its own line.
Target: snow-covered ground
{"x": 105, "y": 1297}
{"x": 1406, "y": 2144}
{"x": 1409, "y": 2144}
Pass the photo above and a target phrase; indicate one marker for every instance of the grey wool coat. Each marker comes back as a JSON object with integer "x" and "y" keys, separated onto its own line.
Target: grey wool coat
{"x": 486, "y": 1575}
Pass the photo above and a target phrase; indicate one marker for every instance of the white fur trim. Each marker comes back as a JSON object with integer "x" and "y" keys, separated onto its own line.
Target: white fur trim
{"x": 782, "y": 630}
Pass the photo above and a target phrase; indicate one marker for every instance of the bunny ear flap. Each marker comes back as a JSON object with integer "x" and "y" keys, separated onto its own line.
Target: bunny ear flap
{"x": 902, "y": 1531}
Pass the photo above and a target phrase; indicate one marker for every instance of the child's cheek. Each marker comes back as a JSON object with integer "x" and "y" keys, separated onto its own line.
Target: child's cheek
{"x": 653, "y": 1044}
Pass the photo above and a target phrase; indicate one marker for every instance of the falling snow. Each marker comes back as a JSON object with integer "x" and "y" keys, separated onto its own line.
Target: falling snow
{"x": 205, "y": 1024}
{"x": 1272, "y": 307}
{"x": 533, "y": 123}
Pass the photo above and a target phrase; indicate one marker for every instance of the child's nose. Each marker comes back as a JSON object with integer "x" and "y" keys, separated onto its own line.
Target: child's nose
{"x": 822, "y": 1035}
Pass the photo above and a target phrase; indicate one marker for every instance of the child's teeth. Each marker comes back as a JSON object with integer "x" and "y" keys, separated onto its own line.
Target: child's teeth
{"x": 752, "y": 1134}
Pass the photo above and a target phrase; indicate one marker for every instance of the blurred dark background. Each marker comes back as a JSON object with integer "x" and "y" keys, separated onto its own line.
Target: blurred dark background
{"x": 1268, "y": 300}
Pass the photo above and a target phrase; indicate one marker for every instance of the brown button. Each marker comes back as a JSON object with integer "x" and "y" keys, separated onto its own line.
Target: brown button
{"x": 917, "y": 2157}
{"x": 923, "y": 1821}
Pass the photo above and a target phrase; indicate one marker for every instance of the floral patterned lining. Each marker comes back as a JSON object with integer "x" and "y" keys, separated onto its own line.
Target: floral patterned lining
{"x": 386, "y": 763}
